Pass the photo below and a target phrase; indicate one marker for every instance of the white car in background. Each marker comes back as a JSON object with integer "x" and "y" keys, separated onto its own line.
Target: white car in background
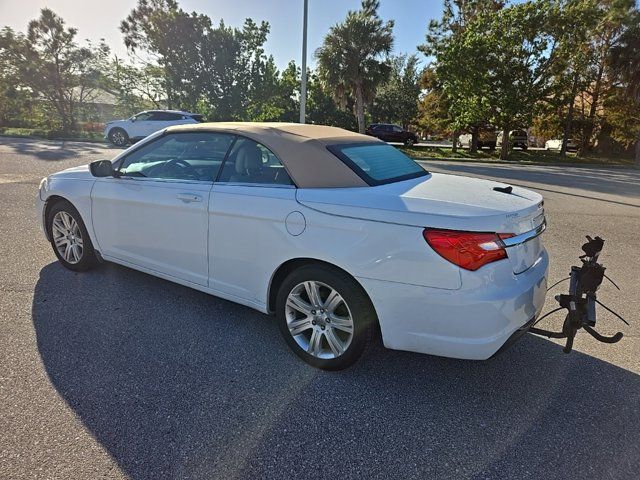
{"x": 339, "y": 235}
{"x": 556, "y": 144}
{"x": 143, "y": 124}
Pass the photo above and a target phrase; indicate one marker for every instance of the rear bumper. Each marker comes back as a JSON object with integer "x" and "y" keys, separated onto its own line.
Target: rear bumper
{"x": 472, "y": 323}
{"x": 515, "y": 336}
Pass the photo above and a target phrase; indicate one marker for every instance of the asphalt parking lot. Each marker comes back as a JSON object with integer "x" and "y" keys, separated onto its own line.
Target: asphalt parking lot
{"x": 117, "y": 374}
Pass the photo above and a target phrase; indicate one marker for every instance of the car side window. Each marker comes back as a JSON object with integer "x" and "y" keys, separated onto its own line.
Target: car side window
{"x": 179, "y": 156}
{"x": 149, "y": 116}
{"x": 396, "y": 128}
{"x": 251, "y": 162}
{"x": 159, "y": 117}
{"x": 141, "y": 117}
{"x": 169, "y": 116}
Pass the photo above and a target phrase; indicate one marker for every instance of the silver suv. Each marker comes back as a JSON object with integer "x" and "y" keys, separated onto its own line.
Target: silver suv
{"x": 143, "y": 124}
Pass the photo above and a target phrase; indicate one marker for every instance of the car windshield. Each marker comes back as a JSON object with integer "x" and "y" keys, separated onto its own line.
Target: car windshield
{"x": 378, "y": 163}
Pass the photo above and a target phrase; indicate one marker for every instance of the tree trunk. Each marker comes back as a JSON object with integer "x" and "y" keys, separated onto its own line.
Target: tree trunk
{"x": 72, "y": 117}
{"x": 474, "y": 140}
{"x": 638, "y": 150}
{"x": 567, "y": 130}
{"x": 62, "y": 113}
{"x": 585, "y": 146}
{"x": 169, "y": 91}
{"x": 568, "y": 122}
{"x": 595, "y": 97}
{"x": 360, "y": 107}
{"x": 454, "y": 138}
{"x": 504, "y": 149}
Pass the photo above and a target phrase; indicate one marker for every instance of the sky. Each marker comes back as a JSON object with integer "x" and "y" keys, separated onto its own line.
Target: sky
{"x": 101, "y": 19}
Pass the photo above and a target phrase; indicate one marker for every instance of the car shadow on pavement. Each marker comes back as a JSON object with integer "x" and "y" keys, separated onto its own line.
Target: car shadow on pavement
{"x": 175, "y": 383}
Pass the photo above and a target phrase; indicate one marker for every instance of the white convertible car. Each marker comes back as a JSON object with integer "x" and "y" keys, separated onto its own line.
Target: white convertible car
{"x": 340, "y": 235}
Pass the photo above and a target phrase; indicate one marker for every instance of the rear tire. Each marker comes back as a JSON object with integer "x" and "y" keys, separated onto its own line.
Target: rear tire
{"x": 342, "y": 328}
{"x": 409, "y": 142}
{"x": 69, "y": 237}
{"x": 118, "y": 137}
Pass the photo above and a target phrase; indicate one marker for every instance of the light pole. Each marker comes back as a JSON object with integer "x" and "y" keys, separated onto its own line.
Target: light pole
{"x": 303, "y": 79}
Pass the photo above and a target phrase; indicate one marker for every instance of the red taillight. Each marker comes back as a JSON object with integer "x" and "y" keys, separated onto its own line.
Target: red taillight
{"x": 469, "y": 250}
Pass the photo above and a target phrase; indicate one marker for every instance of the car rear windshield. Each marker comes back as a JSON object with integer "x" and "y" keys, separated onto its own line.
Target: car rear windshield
{"x": 377, "y": 163}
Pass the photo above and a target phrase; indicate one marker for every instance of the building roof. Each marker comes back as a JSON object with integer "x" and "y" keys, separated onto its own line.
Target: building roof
{"x": 95, "y": 96}
{"x": 301, "y": 148}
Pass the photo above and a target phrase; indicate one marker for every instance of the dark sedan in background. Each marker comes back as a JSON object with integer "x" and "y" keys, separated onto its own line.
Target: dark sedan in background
{"x": 392, "y": 133}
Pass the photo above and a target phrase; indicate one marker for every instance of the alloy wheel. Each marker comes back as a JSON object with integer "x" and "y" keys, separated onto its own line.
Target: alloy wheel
{"x": 67, "y": 237}
{"x": 319, "y": 319}
{"x": 118, "y": 138}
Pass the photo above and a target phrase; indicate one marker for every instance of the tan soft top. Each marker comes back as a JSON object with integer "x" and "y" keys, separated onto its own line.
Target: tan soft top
{"x": 301, "y": 148}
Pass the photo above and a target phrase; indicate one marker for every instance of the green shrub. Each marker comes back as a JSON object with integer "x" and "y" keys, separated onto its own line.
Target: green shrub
{"x": 50, "y": 134}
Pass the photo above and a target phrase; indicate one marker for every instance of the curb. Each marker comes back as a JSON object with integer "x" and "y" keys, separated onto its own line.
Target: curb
{"x": 519, "y": 162}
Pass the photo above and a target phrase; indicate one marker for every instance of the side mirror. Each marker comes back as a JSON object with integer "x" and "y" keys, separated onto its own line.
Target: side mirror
{"x": 102, "y": 168}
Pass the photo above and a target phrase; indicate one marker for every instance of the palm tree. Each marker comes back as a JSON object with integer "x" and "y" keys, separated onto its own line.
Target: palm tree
{"x": 625, "y": 62}
{"x": 351, "y": 60}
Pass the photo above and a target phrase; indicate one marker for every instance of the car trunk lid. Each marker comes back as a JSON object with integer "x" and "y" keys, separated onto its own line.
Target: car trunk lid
{"x": 442, "y": 201}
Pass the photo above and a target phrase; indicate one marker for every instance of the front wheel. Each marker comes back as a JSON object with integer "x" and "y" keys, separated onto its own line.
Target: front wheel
{"x": 118, "y": 137}
{"x": 409, "y": 142}
{"x": 69, "y": 237}
{"x": 325, "y": 317}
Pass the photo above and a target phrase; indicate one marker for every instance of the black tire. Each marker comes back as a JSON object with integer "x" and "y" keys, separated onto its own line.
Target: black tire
{"x": 118, "y": 137}
{"x": 87, "y": 257}
{"x": 524, "y": 147}
{"x": 409, "y": 142}
{"x": 359, "y": 305}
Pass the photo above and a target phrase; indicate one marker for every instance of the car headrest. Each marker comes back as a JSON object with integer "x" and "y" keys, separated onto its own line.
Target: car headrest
{"x": 248, "y": 159}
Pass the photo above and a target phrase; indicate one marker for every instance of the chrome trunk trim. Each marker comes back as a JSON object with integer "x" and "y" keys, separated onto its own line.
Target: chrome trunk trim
{"x": 526, "y": 236}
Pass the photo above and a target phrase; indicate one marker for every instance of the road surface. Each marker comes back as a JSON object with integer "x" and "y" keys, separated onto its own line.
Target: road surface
{"x": 116, "y": 374}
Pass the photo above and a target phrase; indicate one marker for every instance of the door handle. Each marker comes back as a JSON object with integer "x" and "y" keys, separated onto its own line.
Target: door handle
{"x": 189, "y": 197}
